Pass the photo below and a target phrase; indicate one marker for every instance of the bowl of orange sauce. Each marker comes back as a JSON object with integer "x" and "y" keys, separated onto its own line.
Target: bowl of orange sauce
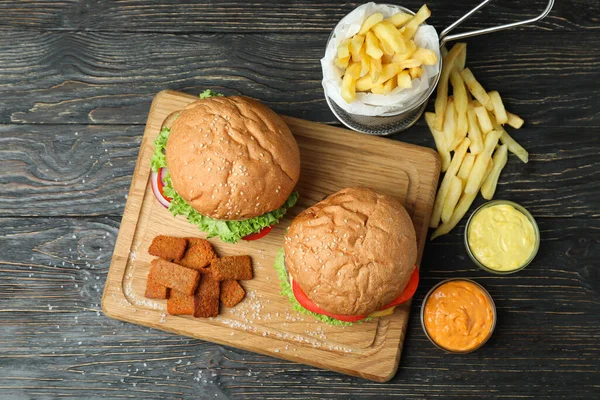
{"x": 458, "y": 315}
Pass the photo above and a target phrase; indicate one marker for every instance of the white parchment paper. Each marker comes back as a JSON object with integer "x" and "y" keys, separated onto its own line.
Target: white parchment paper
{"x": 369, "y": 103}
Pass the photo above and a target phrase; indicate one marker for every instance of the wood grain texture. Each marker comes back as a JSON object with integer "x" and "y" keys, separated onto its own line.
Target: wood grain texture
{"x": 56, "y": 340}
{"x": 66, "y": 169}
{"x": 265, "y": 16}
{"x": 86, "y": 66}
{"x": 58, "y": 170}
{"x": 264, "y": 322}
{"x": 111, "y": 78}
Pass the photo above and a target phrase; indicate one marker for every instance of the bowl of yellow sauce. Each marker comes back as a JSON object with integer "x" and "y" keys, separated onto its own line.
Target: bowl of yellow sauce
{"x": 502, "y": 237}
{"x": 458, "y": 315}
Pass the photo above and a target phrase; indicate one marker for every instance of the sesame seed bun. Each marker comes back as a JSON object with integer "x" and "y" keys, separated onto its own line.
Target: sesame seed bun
{"x": 353, "y": 252}
{"x": 232, "y": 158}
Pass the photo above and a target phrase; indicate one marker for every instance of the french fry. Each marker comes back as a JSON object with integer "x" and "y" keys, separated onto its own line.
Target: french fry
{"x": 474, "y": 131}
{"x": 476, "y": 89}
{"x": 375, "y": 69}
{"x": 411, "y": 27}
{"x": 459, "y": 155}
{"x": 401, "y": 57}
{"x": 387, "y": 33}
{"x": 459, "y": 212}
{"x": 441, "y": 100}
{"x": 514, "y": 120}
{"x": 386, "y": 58}
{"x": 405, "y": 81}
{"x": 481, "y": 162}
{"x": 342, "y": 62}
{"x": 407, "y": 64}
{"x": 370, "y": 22}
{"x": 460, "y": 104}
{"x": 365, "y": 62}
{"x": 389, "y": 85}
{"x": 450, "y": 125}
{"x": 355, "y": 46}
{"x": 415, "y": 72}
{"x": 377, "y": 89}
{"x": 499, "y": 161}
{"x": 372, "y": 46}
{"x": 426, "y": 56}
{"x": 438, "y": 137}
{"x": 353, "y": 70}
{"x": 484, "y": 119}
{"x": 400, "y": 18}
{"x": 465, "y": 167}
{"x": 461, "y": 61}
{"x": 388, "y": 51}
{"x": 513, "y": 146}
{"x": 411, "y": 48}
{"x": 343, "y": 50}
{"x": 348, "y": 88}
{"x": 454, "y": 192}
{"x": 387, "y": 72}
{"x": 498, "y": 107}
{"x": 379, "y": 42}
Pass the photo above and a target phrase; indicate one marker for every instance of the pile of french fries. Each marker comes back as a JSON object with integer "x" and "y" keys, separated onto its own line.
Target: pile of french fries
{"x": 383, "y": 55}
{"x": 467, "y": 128}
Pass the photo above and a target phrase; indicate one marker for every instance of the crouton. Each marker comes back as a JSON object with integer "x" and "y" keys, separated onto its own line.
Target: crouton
{"x": 206, "y": 299}
{"x": 231, "y": 293}
{"x": 232, "y": 268}
{"x": 175, "y": 276}
{"x": 167, "y": 247}
{"x": 180, "y": 303}
{"x": 155, "y": 290}
{"x": 198, "y": 255}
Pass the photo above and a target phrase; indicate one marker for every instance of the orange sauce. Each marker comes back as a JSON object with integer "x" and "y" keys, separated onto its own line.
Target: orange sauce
{"x": 458, "y": 316}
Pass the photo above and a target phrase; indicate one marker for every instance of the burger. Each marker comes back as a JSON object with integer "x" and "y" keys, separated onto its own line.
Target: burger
{"x": 228, "y": 164}
{"x": 350, "y": 257}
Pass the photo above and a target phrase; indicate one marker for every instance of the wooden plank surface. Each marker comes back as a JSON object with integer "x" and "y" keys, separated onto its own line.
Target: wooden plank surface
{"x": 83, "y": 66}
{"x": 111, "y": 77}
{"x": 264, "y": 323}
{"x": 266, "y": 16}
{"x": 545, "y": 346}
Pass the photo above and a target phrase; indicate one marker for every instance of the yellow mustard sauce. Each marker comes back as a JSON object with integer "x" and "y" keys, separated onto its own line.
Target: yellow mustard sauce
{"x": 458, "y": 316}
{"x": 501, "y": 237}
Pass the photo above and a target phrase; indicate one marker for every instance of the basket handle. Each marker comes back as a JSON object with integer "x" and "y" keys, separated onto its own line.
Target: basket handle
{"x": 444, "y": 37}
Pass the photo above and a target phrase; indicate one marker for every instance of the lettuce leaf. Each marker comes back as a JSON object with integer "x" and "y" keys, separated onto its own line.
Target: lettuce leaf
{"x": 209, "y": 93}
{"x": 286, "y": 291}
{"x": 227, "y": 231}
{"x": 159, "y": 159}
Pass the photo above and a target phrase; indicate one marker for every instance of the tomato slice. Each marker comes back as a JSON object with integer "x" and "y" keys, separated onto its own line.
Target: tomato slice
{"x": 310, "y": 306}
{"x": 406, "y": 295}
{"x": 262, "y": 233}
{"x": 408, "y": 291}
{"x": 161, "y": 185}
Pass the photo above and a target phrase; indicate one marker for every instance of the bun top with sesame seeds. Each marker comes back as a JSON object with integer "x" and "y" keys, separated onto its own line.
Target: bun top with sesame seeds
{"x": 353, "y": 252}
{"x": 232, "y": 158}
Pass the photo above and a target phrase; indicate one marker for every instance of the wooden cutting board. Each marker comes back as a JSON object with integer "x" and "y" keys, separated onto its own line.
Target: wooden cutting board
{"x": 332, "y": 159}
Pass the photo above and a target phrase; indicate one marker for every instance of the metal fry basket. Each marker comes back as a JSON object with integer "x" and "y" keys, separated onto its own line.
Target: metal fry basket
{"x": 404, "y": 119}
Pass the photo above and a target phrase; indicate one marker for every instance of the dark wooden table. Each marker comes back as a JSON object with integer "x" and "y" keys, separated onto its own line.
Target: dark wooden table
{"x": 76, "y": 81}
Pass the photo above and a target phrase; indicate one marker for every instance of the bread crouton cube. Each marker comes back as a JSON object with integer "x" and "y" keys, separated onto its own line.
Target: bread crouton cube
{"x": 198, "y": 255}
{"x": 231, "y": 293}
{"x": 232, "y": 268}
{"x": 167, "y": 247}
{"x": 175, "y": 276}
{"x": 155, "y": 290}
{"x": 206, "y": 300}
{"x": 180, "y": 303}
